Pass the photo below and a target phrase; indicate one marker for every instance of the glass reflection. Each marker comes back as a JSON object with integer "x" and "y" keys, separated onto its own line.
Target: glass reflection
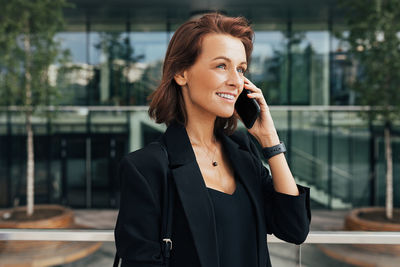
{"x": 268, "y": 65}
{"x": 310, "y": 68}
{"x": 117, "y": 68}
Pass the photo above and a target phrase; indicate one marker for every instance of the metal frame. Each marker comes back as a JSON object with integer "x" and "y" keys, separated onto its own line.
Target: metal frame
{"x": 314, "y": 237}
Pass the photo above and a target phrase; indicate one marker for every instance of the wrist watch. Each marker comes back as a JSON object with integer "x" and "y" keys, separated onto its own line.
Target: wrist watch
{"x": 269, "y": 152}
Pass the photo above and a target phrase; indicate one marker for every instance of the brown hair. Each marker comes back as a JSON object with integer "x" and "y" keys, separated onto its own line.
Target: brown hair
{"x": 167, "y": 104}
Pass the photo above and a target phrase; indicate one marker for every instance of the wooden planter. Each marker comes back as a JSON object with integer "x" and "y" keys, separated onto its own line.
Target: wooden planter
{"x": 63, "y": 218}
{"x": 353, "y": 222}
{"x": 43, "y": 253}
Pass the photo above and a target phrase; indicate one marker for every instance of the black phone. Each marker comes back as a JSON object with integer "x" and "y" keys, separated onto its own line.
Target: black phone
{"x": 247, "y": 108}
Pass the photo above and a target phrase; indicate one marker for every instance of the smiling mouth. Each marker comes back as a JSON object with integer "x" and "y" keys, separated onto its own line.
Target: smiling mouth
{"x": 226, "y": 96}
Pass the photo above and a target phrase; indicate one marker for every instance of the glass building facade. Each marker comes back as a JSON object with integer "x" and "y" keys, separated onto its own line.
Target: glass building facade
{"x": 117, "y": 50}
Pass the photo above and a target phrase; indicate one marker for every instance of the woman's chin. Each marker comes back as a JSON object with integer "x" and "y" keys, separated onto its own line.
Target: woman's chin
{"x": 225, "y": 115}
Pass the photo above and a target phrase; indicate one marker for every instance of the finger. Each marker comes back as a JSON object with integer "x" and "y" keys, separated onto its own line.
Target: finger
{"x": 247, "y": 81}
{"x": 249, "y": 85}
{"x": 252, "y": 88}
{"x": 259, "y": 97}
{"x": 256, "y": 95}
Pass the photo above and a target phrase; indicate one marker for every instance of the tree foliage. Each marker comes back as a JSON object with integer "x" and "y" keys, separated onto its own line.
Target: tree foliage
{"x": 374, "y": 45}
{"x": 40, "y": 20}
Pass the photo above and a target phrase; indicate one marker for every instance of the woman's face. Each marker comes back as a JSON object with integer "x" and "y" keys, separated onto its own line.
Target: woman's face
{"x": 212, "y": 85}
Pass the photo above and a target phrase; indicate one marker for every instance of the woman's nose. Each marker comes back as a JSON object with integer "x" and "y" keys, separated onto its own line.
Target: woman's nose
{"x": 235, "y": 79}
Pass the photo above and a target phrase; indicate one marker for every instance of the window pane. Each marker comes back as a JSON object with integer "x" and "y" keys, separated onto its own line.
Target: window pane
{"x": 268, "y": 65}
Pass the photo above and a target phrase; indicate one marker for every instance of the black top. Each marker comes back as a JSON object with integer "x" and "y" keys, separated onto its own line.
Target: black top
{"x": 236, "y": 227}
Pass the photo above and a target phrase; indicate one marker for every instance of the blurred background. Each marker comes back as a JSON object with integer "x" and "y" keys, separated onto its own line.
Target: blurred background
{"x": 74, "y": 80}
{"x": 109, "y": 59}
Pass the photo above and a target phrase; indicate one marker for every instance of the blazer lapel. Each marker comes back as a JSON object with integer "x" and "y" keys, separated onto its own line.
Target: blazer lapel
{"x": 193, "y": 194}
{"x": 242, "y": 163}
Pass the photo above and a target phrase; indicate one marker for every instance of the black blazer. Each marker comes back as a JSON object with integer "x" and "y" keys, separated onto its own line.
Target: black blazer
{"x": 137, "y": 232}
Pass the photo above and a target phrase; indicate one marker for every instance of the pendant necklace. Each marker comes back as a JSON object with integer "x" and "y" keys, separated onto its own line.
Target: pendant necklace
{"x": 214, "y": 163}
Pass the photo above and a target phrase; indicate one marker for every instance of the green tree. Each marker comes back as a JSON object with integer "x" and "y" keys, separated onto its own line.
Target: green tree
{"x": 27, "y": 51}
{"x": 374, "y": 46}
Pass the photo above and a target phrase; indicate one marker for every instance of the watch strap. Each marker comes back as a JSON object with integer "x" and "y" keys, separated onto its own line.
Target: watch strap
{"x": 269, "y": 152}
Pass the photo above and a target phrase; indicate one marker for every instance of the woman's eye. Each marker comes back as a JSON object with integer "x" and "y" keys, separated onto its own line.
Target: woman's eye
{"x": 241, "y": 70}
{"x": 221, "y": 66}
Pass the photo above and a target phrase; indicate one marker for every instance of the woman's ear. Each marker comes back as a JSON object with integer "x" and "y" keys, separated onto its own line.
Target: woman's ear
{"x": 180, "y": 78}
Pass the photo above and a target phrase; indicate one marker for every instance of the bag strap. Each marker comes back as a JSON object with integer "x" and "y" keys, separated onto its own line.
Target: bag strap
{"x": 167, "y": 215}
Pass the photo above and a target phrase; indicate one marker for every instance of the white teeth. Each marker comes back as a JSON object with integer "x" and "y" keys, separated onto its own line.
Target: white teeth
{"x": 226, "y": 96}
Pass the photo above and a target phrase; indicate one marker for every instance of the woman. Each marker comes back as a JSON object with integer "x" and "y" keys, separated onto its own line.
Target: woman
{"x": 227, "y": 201}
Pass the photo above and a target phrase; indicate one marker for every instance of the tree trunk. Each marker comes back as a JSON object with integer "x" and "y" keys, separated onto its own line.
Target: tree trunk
{"x": 389, "y": 174}
{"x": 30, "y": 167}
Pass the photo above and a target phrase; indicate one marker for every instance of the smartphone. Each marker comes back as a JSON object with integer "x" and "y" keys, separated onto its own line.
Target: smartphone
{"x": 247, "y": 108}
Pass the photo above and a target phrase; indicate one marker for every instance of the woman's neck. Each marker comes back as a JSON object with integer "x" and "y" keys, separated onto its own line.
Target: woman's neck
{"x": 201, "y": 131}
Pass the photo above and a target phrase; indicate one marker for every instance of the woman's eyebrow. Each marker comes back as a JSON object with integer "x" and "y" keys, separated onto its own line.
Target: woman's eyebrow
{"x": 227, "y": 59}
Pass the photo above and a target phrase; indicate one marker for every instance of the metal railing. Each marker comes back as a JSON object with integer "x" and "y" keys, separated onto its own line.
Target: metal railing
{"x": 311, "y": 170}
{"x": 137, "y": 108}
{"x": 314, "y": 237}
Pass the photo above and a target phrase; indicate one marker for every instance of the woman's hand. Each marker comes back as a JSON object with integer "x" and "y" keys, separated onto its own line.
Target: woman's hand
{"x": 263, "y": 129}
{"x": 265, "y": 133}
